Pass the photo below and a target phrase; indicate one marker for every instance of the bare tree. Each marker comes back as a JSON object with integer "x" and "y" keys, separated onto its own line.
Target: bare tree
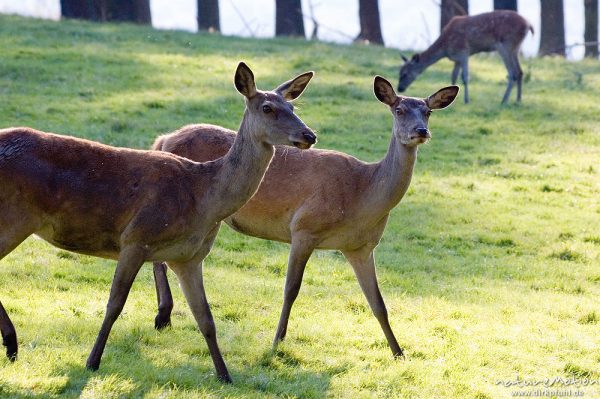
{"x": 208, "y": 15}
{"x": 591, "y": 28}
{"x": 452, "y": 8}
{"x": 137, "y": 11}
{"x": 552, "y": 38}
{"x": 505, "y": 5}
{"x": 289, "y": 19}
{"x": 370, "y": 26}
{"x": 80, "y": 9}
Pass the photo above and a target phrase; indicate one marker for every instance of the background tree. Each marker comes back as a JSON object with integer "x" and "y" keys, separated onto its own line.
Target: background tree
{"x": 208, "y": 15}
{"x": 591, "y": 28}
{"x": 370, "y": 25}
{"x": 289, "y": 20}
{"x": 451, "y": 8}
{"x": 137, "y": 11}
{"x": 505, "y": 5}
{"x": 552, "y": 37}
{"x": 80, "y": 9}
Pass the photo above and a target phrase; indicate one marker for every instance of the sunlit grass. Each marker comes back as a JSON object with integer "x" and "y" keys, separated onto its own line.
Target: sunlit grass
{"x": 489, "y": 266}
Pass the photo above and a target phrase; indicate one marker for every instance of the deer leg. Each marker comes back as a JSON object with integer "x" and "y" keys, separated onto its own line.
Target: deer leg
{"x": 510, "y": 67}
{"x": 15, "y": 231}
{"x": 129, "y": 264}
{"x": 299, "y": 254}
{"x": 363, "y": 263}
{"x": 164, "y": 296}
{"x": 9, "y": 335}
{"x": 455, "y": 72}
{"x": 191, "y": 282}
{"x": 519, "y": 75}
{"x": 465, "y": 76}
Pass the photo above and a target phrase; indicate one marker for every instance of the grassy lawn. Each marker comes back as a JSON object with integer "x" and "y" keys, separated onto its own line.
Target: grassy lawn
{"x": 490, "y": 266}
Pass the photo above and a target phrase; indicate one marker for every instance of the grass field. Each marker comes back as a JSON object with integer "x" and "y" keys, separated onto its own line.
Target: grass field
{"x": 490, "y": 266}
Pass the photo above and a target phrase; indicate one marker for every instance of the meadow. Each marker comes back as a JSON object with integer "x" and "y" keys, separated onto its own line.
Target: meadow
{"x": 490, "y": 265}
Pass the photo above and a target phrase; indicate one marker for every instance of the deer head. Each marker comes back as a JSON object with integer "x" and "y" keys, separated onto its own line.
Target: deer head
{"x": 411, "y": 115}
{"x": 271, "y": 113}
{"x": 409, "y": 71}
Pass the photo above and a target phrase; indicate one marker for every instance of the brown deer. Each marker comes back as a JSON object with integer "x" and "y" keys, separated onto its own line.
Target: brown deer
{"x": 136, "y": 206}
{"x": 320, "y": 199}
{"x": 502, "y": 31}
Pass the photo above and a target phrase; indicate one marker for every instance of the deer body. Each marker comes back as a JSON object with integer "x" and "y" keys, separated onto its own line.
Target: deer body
{"x": 137, "y": 206}
{"x": 501, "y": 30}
{"x": 335, "y": 201}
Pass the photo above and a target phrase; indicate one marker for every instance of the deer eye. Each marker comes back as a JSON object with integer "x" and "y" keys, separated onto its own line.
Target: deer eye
{"x": 399, "y": 111}
{"x": 428, "y": 112}
{"x": 267, "y": 109}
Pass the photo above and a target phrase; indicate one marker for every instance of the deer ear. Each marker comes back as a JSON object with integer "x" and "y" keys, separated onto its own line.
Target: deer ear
{"x": 292, "y": 89}
{"x": 244, "y": 80}
{"x": 384, "y": 91}
{"x": 403, "y": 57}
{"x": 416, "y": 58}
{"x": 442, "y": 98}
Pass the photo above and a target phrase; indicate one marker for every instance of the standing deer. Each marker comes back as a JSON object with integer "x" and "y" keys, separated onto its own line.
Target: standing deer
{"x": 136, "y": 206}
{"x": 502, "y": 31}
{"x": 320, "y": 199}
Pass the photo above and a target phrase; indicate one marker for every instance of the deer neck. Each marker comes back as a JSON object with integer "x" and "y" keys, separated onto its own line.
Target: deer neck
{"x": 241, "y": 171}
{"x": 392, "y": 176}
{"x": 433, "y": 54}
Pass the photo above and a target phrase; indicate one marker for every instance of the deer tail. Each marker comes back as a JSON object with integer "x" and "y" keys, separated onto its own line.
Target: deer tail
{"x": 531, "y": 29}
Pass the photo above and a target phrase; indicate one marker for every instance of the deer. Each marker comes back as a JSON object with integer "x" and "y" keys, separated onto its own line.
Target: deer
{"x": 320, "y": 199}
{"x": 501, "y": 30}
{"x": 135, "y": 206}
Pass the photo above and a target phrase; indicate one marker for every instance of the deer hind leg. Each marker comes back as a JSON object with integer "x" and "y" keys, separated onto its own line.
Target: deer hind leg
{"x": 514, "y": 72}
{"x": 164, "y": 296}
{"x": 363, "y": 263}
{"x": 128, "y": 266}
{"x": 9, "y": 335}
{"x": 16, "y": 228}
{"x": 519, "y": 74}
{"x": 299, "y": 254}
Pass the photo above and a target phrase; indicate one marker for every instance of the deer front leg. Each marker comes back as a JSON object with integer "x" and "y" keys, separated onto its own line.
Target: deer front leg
{"x": 191, "y": 282}
{"x": 128, "y": 266}
{"x": 299, "y": 254}
{"x": 465, "y": 76}
{"x": 455, "y": 72}
{"x": 363, "y": 263}
{"x": 9, "y": 335}
{"x": 164, "y": 296}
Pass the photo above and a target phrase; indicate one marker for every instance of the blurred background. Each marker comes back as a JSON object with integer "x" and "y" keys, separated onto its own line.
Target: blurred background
{"x": 405, "y": 24}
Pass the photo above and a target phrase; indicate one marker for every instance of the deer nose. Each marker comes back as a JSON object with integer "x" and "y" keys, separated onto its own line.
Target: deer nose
{"x": 309, "y": 137}
{"x": 422, "y": 132}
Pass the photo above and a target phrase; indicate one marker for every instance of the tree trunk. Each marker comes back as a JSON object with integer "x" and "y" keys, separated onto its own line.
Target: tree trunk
{"x": 137, "y": 11}
{"x": 288, "y": 18}
{"x": 108, "y": 10}
{"x": 208, "y": 15}
{"x": 452, "y": 8}
{"x": 505, "y": 5}
{"x": 591, "y": 28}
{"x": 80, "y": 9}
{"x": 370, "y": 26}
{"x": 552, "y": 38}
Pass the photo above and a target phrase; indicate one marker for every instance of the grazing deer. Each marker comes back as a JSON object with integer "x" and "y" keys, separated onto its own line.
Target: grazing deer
{"x": 502, "y": 31}
{"x": 320, "y": 199}
{"x": 137, "y": 206}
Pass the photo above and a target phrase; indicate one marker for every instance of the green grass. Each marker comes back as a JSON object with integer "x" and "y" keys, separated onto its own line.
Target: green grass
{"x": 489, "y": 266}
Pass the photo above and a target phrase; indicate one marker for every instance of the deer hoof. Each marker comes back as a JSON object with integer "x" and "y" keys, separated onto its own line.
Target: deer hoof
{"x": 10, "y": 341}
{"x": 161, "y": 322}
